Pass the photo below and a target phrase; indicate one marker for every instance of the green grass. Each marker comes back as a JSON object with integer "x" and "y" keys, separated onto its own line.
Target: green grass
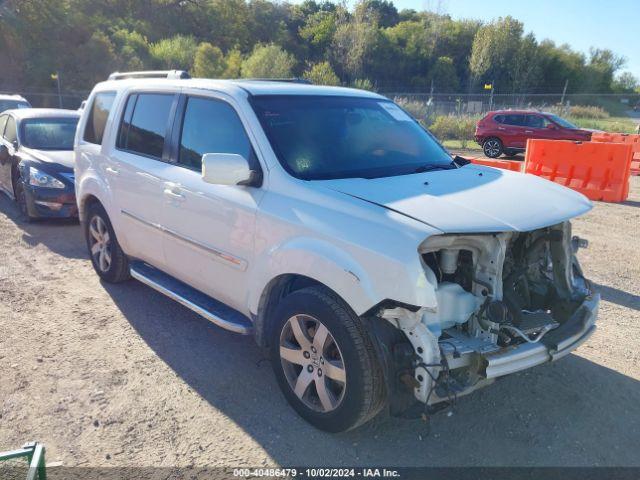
{"x": 611, "y": 124}
{"x": 457, "y": 145}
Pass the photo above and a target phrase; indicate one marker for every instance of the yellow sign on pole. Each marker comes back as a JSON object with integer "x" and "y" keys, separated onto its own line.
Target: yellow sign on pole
{"x": 488, "y": 86}
{"x": 54, "y": 76}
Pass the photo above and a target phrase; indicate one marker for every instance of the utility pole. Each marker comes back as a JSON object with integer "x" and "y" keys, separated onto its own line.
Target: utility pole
{"x": 56, "y": 77}
{"x": 491, "y": 96}
{"x": 564, "y": 91}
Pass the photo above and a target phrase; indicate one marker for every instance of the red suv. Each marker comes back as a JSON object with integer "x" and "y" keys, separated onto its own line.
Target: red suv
{"x": 507, "y": 131}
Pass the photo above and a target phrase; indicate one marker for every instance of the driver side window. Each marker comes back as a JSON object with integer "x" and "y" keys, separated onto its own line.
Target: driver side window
{"x": 211, "y": 126}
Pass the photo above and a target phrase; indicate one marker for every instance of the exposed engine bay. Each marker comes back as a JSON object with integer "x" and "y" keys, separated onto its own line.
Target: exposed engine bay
{"x": 505, "y": 302}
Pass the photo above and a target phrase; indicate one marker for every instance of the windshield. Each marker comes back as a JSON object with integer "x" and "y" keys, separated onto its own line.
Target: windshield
{"x": 326, "y": 137}
{"x": 11, "y": 104}
{"x": 49, "y": 133}
{"x": 562, "y": 122}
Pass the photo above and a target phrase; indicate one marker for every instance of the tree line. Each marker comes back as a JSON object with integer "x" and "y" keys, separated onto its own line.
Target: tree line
{"x": 372, "y": 45}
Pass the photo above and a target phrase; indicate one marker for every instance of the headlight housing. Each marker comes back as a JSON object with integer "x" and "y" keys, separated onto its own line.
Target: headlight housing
{"x": 41, "y": 179}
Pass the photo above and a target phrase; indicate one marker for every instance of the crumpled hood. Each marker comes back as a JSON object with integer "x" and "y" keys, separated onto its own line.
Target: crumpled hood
{"x": 61, "y": 157}
{"x": 471, "y": 199}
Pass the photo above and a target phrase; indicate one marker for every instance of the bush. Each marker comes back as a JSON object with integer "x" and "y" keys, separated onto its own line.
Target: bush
{"x": 588, "y": 111}
{"x": 449, "y": 127}
{"x": 322, "y": 74}
{"x": 419, "y": 110}
{"x": 268, "y": 61}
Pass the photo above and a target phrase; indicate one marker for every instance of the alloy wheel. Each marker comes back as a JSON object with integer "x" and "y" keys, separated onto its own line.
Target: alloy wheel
{"x": 312, "y": 363}
{"x": 100, "y": 242}
{"x": 492, "y": 148}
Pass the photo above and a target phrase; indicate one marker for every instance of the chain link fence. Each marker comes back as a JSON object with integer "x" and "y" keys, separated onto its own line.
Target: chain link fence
{"x": 429, "y": 105}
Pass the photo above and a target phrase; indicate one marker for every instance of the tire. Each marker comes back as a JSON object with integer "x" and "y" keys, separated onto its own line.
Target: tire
{"x": 108, "y": 259}
{"x": 492, "y": 147}
{"x": 354, "y": 391}
{"x": 21, "y": 200}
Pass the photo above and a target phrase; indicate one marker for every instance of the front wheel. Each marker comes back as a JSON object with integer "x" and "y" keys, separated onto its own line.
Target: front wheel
{"x": 325, "y": 362}
{"x": 492, "y": 147}
{"x": 21, "y": 200}
{"x": 108, "y": 259}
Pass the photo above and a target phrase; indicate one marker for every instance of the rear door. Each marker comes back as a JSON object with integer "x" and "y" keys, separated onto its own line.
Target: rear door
{"x": 515, "y": 136}
{"x": 210, "y": 228}
{"x": 138, "y": 167}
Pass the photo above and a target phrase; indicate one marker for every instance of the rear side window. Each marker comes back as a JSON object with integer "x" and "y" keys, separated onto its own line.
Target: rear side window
{"x": 98, "y": 115}
{"x": 499, "y": 118}
{"x": 518, "y": 120}
{"x": 3, "y": 123}
{"x": 10, "y": 133}
{"x": 144, "y": 123}
{"x": 211, "y": 126}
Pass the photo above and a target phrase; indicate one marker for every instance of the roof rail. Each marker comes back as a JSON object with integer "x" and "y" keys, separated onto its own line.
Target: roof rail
{"x": 285, "y": 80}
{"x": 169, "y": 74}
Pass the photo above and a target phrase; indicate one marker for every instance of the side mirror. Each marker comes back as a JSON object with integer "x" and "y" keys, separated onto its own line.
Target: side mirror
{"x": 4, "y": 154}
{"x": 226, "y": 169}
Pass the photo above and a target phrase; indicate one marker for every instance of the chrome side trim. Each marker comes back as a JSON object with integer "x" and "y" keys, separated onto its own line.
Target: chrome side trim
{"x": 227, "y": 258}
{"x": 221, "y": 322}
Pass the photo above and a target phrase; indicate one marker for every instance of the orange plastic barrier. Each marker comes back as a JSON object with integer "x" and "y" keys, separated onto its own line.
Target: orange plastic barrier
{"x": 598, "y": 170}
{"x": 631, "y": 139}
{"x": 513, "y": 165}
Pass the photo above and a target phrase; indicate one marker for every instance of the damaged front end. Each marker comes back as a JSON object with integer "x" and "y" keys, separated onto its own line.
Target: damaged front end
{"x": 505, "y": 302}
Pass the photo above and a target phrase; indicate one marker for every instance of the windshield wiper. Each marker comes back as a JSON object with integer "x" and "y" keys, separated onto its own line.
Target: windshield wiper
{"x": 431, "y": 168}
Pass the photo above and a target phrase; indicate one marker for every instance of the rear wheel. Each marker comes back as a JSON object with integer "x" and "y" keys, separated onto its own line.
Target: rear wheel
{"x": 108, "y": 259}
{"x": 324, "y": 361}
{"x": 492, "y": 147}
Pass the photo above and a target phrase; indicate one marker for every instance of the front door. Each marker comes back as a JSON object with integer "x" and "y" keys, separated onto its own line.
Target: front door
{"x": 210, "y": 228}
{"x": 4, "y": 186}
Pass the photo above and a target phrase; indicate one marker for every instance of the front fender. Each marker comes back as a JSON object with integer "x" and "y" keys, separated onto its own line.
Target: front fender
{"x": 362, "y": 283}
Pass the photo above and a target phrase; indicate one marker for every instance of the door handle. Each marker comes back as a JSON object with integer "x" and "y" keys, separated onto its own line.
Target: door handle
{"x": 173, "y": 194}
{"x": 111, "y": 171}
{"x": 528, "y": 131}
{"x": 501, "y": 128}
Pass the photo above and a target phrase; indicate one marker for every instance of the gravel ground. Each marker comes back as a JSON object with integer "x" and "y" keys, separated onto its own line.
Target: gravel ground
{"x": 121, "y": 376}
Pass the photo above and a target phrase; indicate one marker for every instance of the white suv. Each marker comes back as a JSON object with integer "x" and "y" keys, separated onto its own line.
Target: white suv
{"x": 339, "y": 232}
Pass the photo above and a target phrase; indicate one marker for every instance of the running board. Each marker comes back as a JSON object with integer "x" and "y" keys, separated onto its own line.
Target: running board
{"x": 202, "y": 304}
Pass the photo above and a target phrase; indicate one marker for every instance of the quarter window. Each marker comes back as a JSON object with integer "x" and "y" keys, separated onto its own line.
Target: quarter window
{"x": 144, "y": 123}
{"x": 211, "y": 126}
{"x": 3, "y": 123}
{"x": 98, "y": 115}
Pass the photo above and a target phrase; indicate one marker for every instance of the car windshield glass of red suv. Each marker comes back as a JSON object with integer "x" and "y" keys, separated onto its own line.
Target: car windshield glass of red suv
{"x": 562, "y": 122}
{"x": 329, "y": 137}
{"x": 49, "y": 133}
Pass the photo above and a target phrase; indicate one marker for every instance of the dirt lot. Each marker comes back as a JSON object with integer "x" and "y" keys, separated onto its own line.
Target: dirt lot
{"x": 120, "y": 375}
